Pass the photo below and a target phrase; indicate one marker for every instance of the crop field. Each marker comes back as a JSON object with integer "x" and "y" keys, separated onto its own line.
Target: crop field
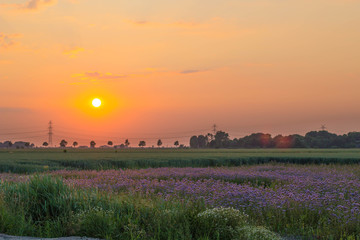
{"x": 225, "y": 194}
{"x": 38, "y": 160}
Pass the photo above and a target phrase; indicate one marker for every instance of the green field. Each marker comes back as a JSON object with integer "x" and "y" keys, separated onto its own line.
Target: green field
{"x": 39, "y": 160}
{"x": 268, "y": 200}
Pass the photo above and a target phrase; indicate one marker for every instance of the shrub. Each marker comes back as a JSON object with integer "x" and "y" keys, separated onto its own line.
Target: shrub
{"x": 220, "y": 223}
{"x": 256, "y": 233}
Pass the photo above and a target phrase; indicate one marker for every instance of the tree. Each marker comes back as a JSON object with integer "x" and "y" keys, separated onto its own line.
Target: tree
{"x": 127, "y": 143}
{"x": 92, "y": 144}
{"x": 202, "y": 141}
{"x": 313, "y": 139}
{"x": 142, "y": 144}
{"x": 176, "y": 143}
{"x": 194, "y": 142}
{"x": 63, "y": 143}
{"x": 282, "y": 141}
{"x": 298, "y": 141}
{"x": 8, "y": 143}
{"x": 321, "y": 139}
{"x": 110, "y": 143}
{"x": 222, "y": 139}
{"x": 45, "y": 144}
{"x": 258, "y": 140}
{"x": 75, "y": 144}
{"x": 159, "y": 143}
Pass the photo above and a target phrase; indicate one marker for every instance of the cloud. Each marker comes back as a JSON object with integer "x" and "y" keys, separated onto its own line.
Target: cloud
{"x": 190, "y": 71}
{"x": 31, "y": 5}
{"x": 8, "y": 40}
{"x": 141, "y": 22}
{"x": 72, "y": 53}
{"x": 165, "y": 71}
{"x": 180, "y": 24}
{"x": 149, "y": 71}
{"x": 96, "y": 76}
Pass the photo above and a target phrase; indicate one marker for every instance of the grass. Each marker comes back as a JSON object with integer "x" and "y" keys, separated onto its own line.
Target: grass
{"x": 40, "y": 160}
{"x": 46, "y": 207}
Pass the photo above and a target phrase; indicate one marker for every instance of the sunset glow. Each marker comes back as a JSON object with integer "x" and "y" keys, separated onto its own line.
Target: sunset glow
{"x": 161, "y": 67}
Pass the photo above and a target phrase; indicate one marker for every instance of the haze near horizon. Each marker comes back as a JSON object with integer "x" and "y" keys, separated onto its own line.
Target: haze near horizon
{"x": 165, "y": 69}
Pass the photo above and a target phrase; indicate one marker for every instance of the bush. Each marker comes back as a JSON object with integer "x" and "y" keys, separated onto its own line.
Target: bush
{"x": 256, "y": 233}
{"x": 220, "y": 223}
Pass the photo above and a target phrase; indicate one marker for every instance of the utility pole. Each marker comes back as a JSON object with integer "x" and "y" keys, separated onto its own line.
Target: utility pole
{"x": 50, "y": 133}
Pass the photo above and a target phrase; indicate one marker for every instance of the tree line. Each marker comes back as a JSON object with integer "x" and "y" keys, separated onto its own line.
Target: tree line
{"x": 313, "y": 139}
{"x": 63, "y": 143}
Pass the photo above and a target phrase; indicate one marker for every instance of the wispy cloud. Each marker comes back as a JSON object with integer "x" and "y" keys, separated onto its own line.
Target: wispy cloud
{"x": 151, "y": 71}
{"x": 190, "y": 71}
{"x": 73, "y": 52}
{"x": 30, "y": 5}
{"x": 8, "y": 40}
{"x": 96, "y": 76}
{"x": 180, "y": 24}
{"x": 138, "y": 22}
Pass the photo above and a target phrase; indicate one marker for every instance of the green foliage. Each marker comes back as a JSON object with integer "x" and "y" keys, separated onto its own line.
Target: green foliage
{"x": 256, "y": 233}
{"x": 13, "y": 223}
{"x": 95, "y": 222}
{"x": 45, "y": 207}
{"x": 313, "y": 139}
{"x": 220, "y": 223}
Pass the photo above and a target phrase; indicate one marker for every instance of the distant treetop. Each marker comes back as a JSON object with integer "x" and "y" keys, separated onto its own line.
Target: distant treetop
{"x": 313, "y": 139}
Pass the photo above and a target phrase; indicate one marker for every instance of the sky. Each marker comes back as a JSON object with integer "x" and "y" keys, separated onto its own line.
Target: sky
{"x": 171, "y": 69}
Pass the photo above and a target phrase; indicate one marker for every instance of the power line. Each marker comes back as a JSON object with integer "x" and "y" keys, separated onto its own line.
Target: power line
{"x": 19, "y": 133}
{"x": 118, "y": 133}
{"x": 89, "y": 137}
{"x": 21, "y": 128}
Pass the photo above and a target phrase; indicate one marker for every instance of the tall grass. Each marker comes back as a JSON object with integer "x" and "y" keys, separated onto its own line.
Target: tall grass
{"x": 46, "y": 207}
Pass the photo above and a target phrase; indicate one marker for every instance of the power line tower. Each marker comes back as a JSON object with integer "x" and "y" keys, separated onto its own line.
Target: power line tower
{"x": 50, "y": 133}
{"x": 214, "y": 129}
{"x": 323, "y": 127}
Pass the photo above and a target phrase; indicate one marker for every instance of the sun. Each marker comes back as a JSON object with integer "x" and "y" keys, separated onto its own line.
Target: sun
{"x": 96, "y": 102}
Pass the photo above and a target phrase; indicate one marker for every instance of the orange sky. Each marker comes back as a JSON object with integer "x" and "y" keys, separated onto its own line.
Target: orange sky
{"x": 170, "y": 69}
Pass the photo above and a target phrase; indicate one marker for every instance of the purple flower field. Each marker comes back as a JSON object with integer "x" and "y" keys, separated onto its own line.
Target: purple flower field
{"x": 310, "y": 192}
{"x": 283, "y": 197}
